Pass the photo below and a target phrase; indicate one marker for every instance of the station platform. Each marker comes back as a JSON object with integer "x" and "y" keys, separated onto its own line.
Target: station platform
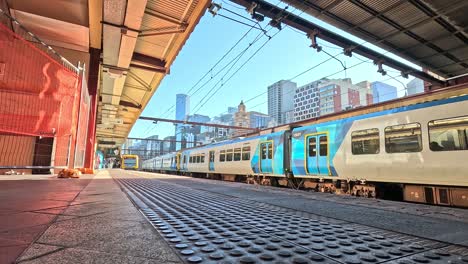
{"x": 137, "y": 217}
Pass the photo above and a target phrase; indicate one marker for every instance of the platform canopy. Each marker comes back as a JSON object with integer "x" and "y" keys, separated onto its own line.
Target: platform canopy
{"x": 430, "y": 33}
{"x": 132, "y": 42}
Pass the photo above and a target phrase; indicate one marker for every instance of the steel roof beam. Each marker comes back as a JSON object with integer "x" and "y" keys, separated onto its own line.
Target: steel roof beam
{"x": 309, "y": 28}
{"x": 164, "y": 32}
{"x": 126, "y": 104}
{"x": 150, "y": 61}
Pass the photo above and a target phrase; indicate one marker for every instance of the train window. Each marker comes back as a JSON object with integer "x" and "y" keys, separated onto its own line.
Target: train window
{"x": 270, "y": 150}
{"x": 323, "y": 140}
{"x": 202, "y": 158}
{"x": 448, "y": 134}
{"x": 264, "y": 150}
{"x": 246, "y": 153}
{"x": 185, "y": 159}
{"x": 403, "y": 138}
{"x": 312, "y": 146}
{"x": 191, "y": 159}
{"x": 222, "y": 156}
{"x": 237, "y": 154}
{"x": 198, "y": 159}
{"x": 365, "y": 141}
{"x": 229, "y": 155}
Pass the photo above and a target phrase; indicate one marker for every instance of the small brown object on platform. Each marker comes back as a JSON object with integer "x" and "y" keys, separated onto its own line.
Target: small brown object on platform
{"x": 69, "y": 173}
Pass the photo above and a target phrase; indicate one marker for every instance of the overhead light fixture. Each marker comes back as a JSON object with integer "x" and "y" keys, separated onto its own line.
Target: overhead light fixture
{"x": 348, "y": 51}
{"x": 214, "y": 8}
{"x": 380, "y": 68}
{"x": 258, "y": 17}
{"x": 313, "y": 38}
{"x": 252, "y": 11}
{"x": 275, "y": 23}
{"x": 404, "y": 74}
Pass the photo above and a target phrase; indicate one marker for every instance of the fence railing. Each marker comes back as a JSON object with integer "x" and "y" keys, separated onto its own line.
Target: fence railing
{"x": 44, "y": 103}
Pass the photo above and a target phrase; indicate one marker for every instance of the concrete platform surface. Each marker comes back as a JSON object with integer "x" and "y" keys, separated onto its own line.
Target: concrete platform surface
{"x": 98, "y": 224}
{"x": 28, "y": 205}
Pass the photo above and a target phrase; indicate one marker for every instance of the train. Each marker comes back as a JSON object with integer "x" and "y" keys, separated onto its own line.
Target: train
{"x": 129, "y": 162}
{"x": 413, "y": 149}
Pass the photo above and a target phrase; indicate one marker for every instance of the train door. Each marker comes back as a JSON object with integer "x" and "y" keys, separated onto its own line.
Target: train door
{"x": 178, "y": 161}
{"x": 184, "y": 162}
{"x": 266, "y": 157}
{"x": 211, "y": 161}
{"x": 317, "y": 154}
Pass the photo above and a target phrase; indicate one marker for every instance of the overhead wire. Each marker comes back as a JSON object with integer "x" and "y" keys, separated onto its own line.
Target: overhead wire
{"x": 238, "y": 69}
{"x": 197, "y": 109}
{"x": 236, "y": 59}
{"x": 173, "y": 106}
{"x": 211, "y": 69}
{"x": 325, "y": 77}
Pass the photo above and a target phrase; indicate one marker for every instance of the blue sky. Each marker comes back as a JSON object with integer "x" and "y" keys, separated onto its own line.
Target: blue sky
{"x": 287, "y": 54}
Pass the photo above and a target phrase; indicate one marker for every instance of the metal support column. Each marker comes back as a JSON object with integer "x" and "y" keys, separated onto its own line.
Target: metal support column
{"x": 93, "y": 78}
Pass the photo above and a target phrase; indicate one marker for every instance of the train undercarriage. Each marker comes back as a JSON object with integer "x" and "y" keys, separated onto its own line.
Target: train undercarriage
{"x": 435, "y": 195}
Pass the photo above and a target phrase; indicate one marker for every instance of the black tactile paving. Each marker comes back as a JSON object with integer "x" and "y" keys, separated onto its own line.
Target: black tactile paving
{"x": 211, "y": 228}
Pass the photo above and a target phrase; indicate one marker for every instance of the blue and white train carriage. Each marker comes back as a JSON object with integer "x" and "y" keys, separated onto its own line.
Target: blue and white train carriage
{"x": 418, "y": 152}
{"x": 422, "y": 148}
{"x": 258, "y": 155}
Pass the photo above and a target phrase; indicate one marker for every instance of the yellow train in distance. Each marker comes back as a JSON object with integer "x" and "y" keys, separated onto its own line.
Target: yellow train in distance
{"x": 129, "y": 162}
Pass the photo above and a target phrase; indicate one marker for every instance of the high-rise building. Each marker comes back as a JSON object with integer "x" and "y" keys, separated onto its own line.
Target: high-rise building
{"x": 382, "y": 92}
{"x": 365, "y": 93}
{"x": 258, "y": 120}
{"x": 169, "y": 144}
{"x": 341, "y": 94}
{"x": 415, "y": 86}
{"x": 182, "y": 112}
{"x": 306, "y": 101}
{"x": 193, "y": 133}
{"x": 232, "y": 110}
{"x": 153, "y": 147}
{"x": 281, "y": 100}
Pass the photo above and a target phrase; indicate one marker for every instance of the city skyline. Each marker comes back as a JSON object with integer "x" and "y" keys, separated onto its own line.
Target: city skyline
{"x": 296, "y": 113}
{"x": 343, "y": 96}
{"x": 287, "y": 56}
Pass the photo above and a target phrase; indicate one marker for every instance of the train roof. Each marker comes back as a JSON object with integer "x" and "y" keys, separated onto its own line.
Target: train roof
{"x": 430, "y": 96}
{"x": 394, "y": 110}
{"x": 231, "y": 141}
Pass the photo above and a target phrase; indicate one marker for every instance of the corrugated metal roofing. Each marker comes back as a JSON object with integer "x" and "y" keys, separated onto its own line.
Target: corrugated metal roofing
{"x": 165, "y": 26}
{"x": 430, "y": 33}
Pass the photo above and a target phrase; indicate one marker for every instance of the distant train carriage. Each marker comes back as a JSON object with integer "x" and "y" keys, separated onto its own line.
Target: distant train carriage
{"x": 129, "y": 162}
{"x": 259, "y": 155}
{"x": 415, "y": 152}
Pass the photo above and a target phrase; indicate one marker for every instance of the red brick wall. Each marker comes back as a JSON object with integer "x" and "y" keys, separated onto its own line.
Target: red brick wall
{"x": 369, "y": 98}
{"x": 353, "y": 98}
{"x": 337, "y": 99}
